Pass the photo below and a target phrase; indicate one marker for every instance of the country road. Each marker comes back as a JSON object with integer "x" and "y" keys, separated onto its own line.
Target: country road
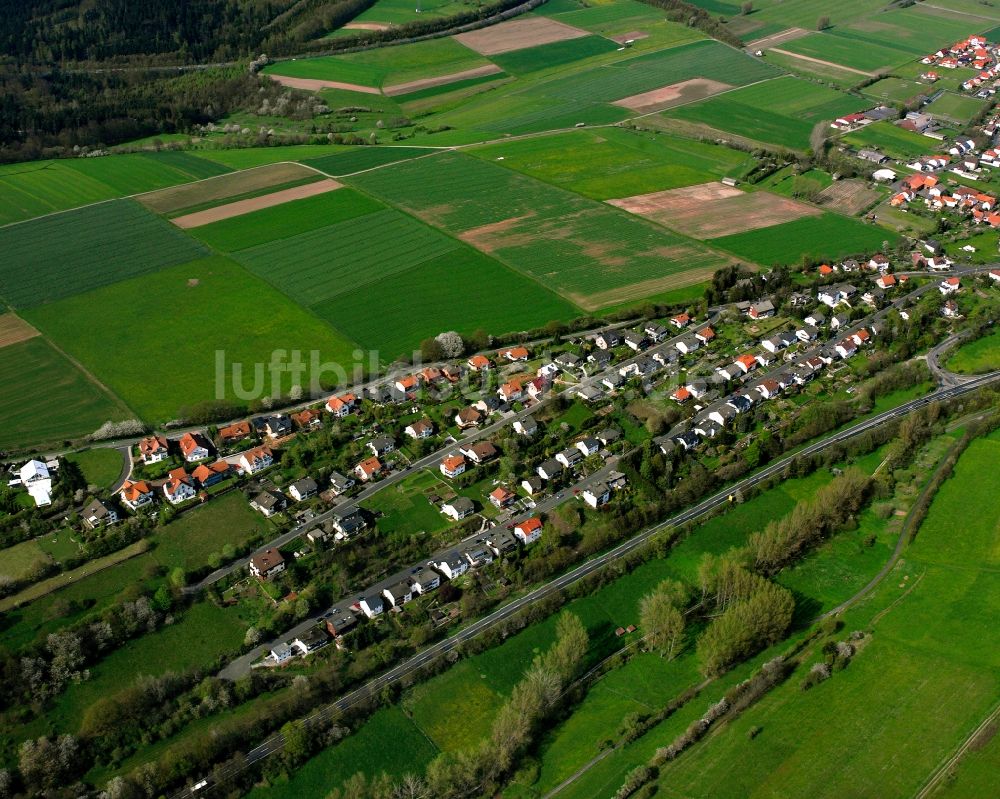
{"x": 372, "y": 687}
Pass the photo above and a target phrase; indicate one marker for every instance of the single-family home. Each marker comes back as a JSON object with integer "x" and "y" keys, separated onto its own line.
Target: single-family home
{"x": 368, "y": 469}
{"x": 480, "y": 452}
{"x": 950, "y": 309}
{"x": 308, "y": 419}
{"x": 687, "y": 345}
{"x": 282, "y": 652}
{"x": 816, "y": 319}
{"x": 551, "y": 468}
{"x": 266, "y": 564}
{"x": 479, "y": 363}
{"x": 666, "y": 444}
{"x": 340, "y": 621}
{"x": 278, "y": 425}
{"x": 347, "y": 521}
{"x": 528, "y": 531}
{"x": 569, "y": 457}
{"x": 269, "y": 502}
{"x": 381, "y": 446}
{"x": 681, "y": 395}
{"x": 597, "y": 494}
{"x": 340, "y": 483}
{"x": 478, "y": 554}
{"x": 501, "y": 541}
{"x": 511, "y": 391}
{"x": 398, "y": 593}
{"x": 422, "y": 428}
{"x": 99, "y": 514}
{"x": 746, "y": 363}
{"x": 256, "y": 460}
{"x": 303, "y": 489}
{"x": 599, "y": 359}
{"x": 526, "y": 426}
{"x": 568, "y": 360}
{"x": 807, "y": 333}
{"x": 547, "y": 370}
{"x": 607, "y": 339}
{"x": 613, "y": 381}
{"x": 722, "y": 414}
{"x": 179, "y": 487}
{"x": 311, "y": 640}
{"x": 588, "y": 446}
{"x": 656, "y": 333}
{"x": 153, "y": 449}
{"x": 408, "y": 384}
{"x": 234, "y": 433}
{"x": 768, "y": 389}
{"x": 514, "y": 354}
{"x": 135, "y": 494}
{"x": 468, "y": 417}
{"x": 424, "y": 580}
{"x": 371, "y": 604}
{"x": 688, "y": 440}
{"x": 341, "y": 406}
{"x": 705, "y": 335}
{"x": 680, "y": 321}
{"x": 761, "y": 310}
{"x": 452, "y": 565}
{"x": 193, "y": 446}
{"x": 533, "y": 485}
{"x": 609, "y": 436}
{"x": 636, "y": 341}
{"x": 502, "y": 497}
{"x": 950, "y": 285}
{"x": 846, "y": 348}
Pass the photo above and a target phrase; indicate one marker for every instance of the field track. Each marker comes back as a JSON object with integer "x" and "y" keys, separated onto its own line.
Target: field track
{"x": 768, "y": 42}
{"x": 242, "y": 207}
{"x": 821, "y": 62}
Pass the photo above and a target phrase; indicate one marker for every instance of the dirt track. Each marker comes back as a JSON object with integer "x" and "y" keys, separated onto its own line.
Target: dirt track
{"x": 314, "y": 84}
{"x": 242, "y": 207}
{"x": 769, "y": 42}
{"x": 441, "y": 80}
{"x": 517, "y": 34}
{"x": 820, "y": 61}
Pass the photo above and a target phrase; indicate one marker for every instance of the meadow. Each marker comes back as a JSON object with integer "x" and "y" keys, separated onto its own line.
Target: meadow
{"x": 20, "y": 560}
{"x": 218, "y": 297}
{"x": 66, "y": 254}
{"x": 101, "y": 467}
{"x": 956, "y": 107}
{"x": 45, "y": 398}
{"x": 615, "y": 162}
{"x": 890, "y": 139}
{"x": 249, "y": 157}
{"x": 286, "y": 220}
{"x": 976, "y": 357}
{"x": 925, "y": 644}
{"x": 404, "y": 508}
{"x": 592, "y": 254}
{"x": 462, "y": 290}
{"x": 847, "y": 51}
{"x": 782, "y": 112}
{"x": 826, "y": 236}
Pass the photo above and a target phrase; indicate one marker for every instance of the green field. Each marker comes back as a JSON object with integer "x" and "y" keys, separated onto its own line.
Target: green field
{"x": 225, "y": 310}
{"x": 60, "y": 256}
{"x": 847, "y": 51}
{"x": 386, "y": 66}
{"x": 615, "y": 162}
{"x": 828, "y": 73}
{"x": 249, "y": 157}
{"x": 41, "y": 187}
{"x": 929, "y": 645}
{"x": 364, "y": 158}
{"x": 285, "y": 220}
{"x": 19, "y": 561}
{"x": 101, "y": 467}
{"x": 591, "y": 253}
{"x": 782, "y": 112}
{"x": 460, "y": 290}
{"x": 976, "y": 357}
{"x": 957, "y": 107}
{"x": 826, "y": 236}
{"x": 189, "y": 540}
{"x": 555, "y": 54}
{"x": 892, "y": 140}
{"x": 398, "y": 12}
{"x": 404, "y": 508}
{"x": 45, "y": 398}
{"x": 897, "y": 90}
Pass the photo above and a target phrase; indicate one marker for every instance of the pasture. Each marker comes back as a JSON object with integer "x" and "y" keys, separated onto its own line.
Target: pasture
{"x": 976, "y": 357}
{"x": 925, "y": 642}
{"x": 45, "y": 399}
{"x": 59, "y": 256}
{"x": 226, "y": 310}
{"x": 285, "y": 221}
{"x": 592, "y": 254}
{"x": 615, "y": 162}
{"x": 956, "y": 107}
{"x": 891, "y": 139}
{"x": 462, "y": 290}
{"x": 827, "y": 236}
{"x": 782, "y": 112}
{"x": 101, "y": 466}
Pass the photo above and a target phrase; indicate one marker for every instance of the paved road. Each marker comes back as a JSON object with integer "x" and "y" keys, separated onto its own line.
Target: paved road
{"x": 374, "y": 686}
{"x": 942, "y": 375}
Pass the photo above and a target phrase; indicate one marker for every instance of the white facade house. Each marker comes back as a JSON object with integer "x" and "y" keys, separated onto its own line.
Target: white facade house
{"x": 36, "y": 480}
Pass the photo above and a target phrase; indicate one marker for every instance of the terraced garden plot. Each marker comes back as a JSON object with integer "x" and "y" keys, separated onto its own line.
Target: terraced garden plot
{"x": 315, "y": 266}
{"x": 59, "y": 256}
{"x": 285, "y": 221}
{"x": 826, "y": 236}
{"x": 615, "y": 162}
{"x": 712, "y": 209}
{"x": 455, "y": 291}
{"x": 782, "y": 112}
{"x": 225, "y": 310}
{"x": 227, "y": 187}
{"x": 592, "y": 254}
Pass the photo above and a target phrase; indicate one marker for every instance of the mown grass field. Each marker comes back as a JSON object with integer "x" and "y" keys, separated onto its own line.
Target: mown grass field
{"x": 101, "y": 467}
{"x": 890, "y": 139}
{"x": 976, "y": 357}
{"x": 957, "y": 107}
{"x": 826, "y": 236}
{"x": 286, "y": 220}
{"x": 935, "y": 653}
{"x": 225, "y": 309}
{"x": 592, "y": 254}
{"x": 782, "y": 112}
{"x": 60, "y": 256}
{"x": 614, "y": 162}
{"x": 397, "y": 12}
{"x": 455, "y": 291}
{"x": 897, "y": 90}
{"x": 45, "y": 398}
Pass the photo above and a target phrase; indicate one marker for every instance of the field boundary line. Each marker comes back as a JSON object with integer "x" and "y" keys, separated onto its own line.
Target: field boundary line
{"x": 941, "y": 772}
{"x": 813, "y": 60}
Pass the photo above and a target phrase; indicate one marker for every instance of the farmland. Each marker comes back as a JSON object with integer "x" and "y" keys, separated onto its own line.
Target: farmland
{"x": 555, "y": 54}
{"x": 60, "y": 256}
{"x": 890, "y": 139}
{"x": 826, "y": 236}
{"x": 976, "y": 357}
{"x": 397, "y": 12}
{"x": 592, "y": 254}
{"x": 844, "y": 50}
{"x": 45, "y": 398}
{"x": 616, "y": 162}
{"x": 782, "y": 112}
{"x": 897, "y": 90}
{"x": 363, "y": 158}
{"x": 218, "y": 297}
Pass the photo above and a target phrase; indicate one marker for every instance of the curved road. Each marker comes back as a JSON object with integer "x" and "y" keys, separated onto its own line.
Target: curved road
{"x": 371, "y": 689}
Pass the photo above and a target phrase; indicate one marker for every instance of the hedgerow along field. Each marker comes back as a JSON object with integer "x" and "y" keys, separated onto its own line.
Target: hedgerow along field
{"x": 592, "y": 254}
{"x": 926, "y": 644}
{"x": 615, "y": 162}
{"x": 162, "y": 364}
{"x": 827, "y": 236}
{"x": 41, "y": 187}
{"x": 781, "y": 112}
{"x": 59, "y": 256}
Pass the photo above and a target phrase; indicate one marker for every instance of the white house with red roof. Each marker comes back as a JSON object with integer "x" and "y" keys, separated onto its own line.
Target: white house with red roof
{"x": 528, "y": 531}
{"x": 256, "y": 460}
{"x": 194, "y": 447}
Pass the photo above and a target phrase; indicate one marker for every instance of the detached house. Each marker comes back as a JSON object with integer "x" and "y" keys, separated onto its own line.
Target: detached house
{"x": 528, "y": 531}
{"x": 368, "y": 469}
{"x": 303, "y": 489}
{"x": 153, "y": 449}
{"x": 597, "y": 494}
{"x": 309, "y": 419}
{"x": 608, "y": 339}
{"x": 267, "y": 564}
{"x": 479, "y": 363}
{"x": 502, "y": 497}
{"x": 234, "y": 433}
{"x": 193, "y": 447}
{"x": 514, "y": 354}
{"x": 453, "y": 466}
{"x": 468, "y": 417}
{"x": 458, "y": 508}
{"x": 682, "y": 320}
{"x": 269, "y": 502}
{"x": 209, "y": 474}
{"x": 761, "y": 310}
{"x": 256, "y": 460}
{"x": 340, "y": 483}
{"x": 950, "y": 285}
{"x": 341, "y": 406}
{"x": 480, "y": 452}
{"x": 179, "y": 487}
{"x": 381, "y": 446}
{"x": 97, "y": 514}
{"x": 136, "y": 494}
{"x": 452, "y": 565}
{"x": 422, "y": 428}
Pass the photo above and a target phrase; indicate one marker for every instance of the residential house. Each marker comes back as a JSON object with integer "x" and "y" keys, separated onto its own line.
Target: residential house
{"x": 480, "y": 452}
{"x": 687, "y": 345}
{"x": 135, "y": 494}
{"x": 526, "y": 426}
{"x": 488, "y": 405}
{"x": 609, "y": 436}
{"x": 153, "y": 449}
{"x": 768, "y": 389}
{"x": 816, "y": 319}
{"x": 569, "y": 457}
{"x": 657, "y": 333}
{"x": 616, "y": 480}
{"x": 193, "y": 447}
{"x": 588, "y": 446}
{"x": 256, "y": 460}
{"x": 398, "y": 593}
{"x": 807, "y": 333}
{"x": 597, "y": 494}
{"x": 340, "y": 483}
{"x": 680, "y": 321}
{"x": 666, "y": 444}
{"x": 950, "y": 285}
{"x": 408, "y": 384}
{"x": 209, "y": 474}
{"x": 282, "y": 652}
{"x": 502, "y": 497}
{"x": 340, "y": 621}
{"x": 568, "y": 360}
{"x": 636, "y": 341}
{"x": 600, "y": 359}
{"x": 234, "y": 433}
{"x": 371, "y": 605}
{"x": 452, "y": 565}
{"x": 269, "y": 502}
{"x": 681, "y": 395}
{"x": 722, "y": 414}
{"x": 479, "y": 363}
{"x": 761, "y": 310}
{"x": 311, "y": 640}
{"x": 303, "y": 489}
{"x": 547, "y": 370}
{"x": 746, "y": 363}
{"x": 608, "y": 339}
{"x": 838, "y": 321}
{"x": 501, "y": 541}
{"x": 468, "y": 417}
{"x": 514, "y": 354}
{"x": 452, "y": 465}
{"x": 278, "y": 426}
{"x": 613, "y": 381}
{"x": 551, "y": 468}
{"x": 950, "y": 309}
{"x": 308, "y": 419}
{"x": 511, "y": 391}
{"x": 98, "y": 514}
{"x": 705, "y": 335}
{"x": 341, "y": 406}
{"x": 588, "y": 393}
{"x": 528, "y": 531}
{"x": 179, "y": 487}
{"x": 347, "y": 521}
{"x": 688, "y": 440}
{"x": 424, "y": 580}
{"x": 368, "y": 469}
{"x": 846, "y": 348}
{"x": 478, "y": 554}
{"x": 422, "y": 428}
{"x": 532, "y": 485}
{"x": 266, "y": 564}
{"x": 381, "y": 446}
{"x": 706, "y": 427}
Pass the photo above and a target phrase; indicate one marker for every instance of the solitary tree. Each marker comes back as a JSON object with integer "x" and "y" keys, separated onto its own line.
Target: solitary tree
{"x": 746, "y": 8}
{"x": 823, "y": 23}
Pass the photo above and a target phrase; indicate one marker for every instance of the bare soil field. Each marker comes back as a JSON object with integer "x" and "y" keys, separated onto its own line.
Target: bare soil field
{"x": 315, "y": 84}
{"x": 633, "y": 36}
{"x": 13, "y": 329}
{"x": 850, "y": 197}
{"x": 365, "y": 26}
{"x": 768, "y": 42}
{"x": 710, "y": 210}
{"x": 440, "y": 80}
{"x": 675, "y": 94}
{"x": 242, "y": 207}
{"x": 517, "y": 34}
{"x": 177, "y": 198}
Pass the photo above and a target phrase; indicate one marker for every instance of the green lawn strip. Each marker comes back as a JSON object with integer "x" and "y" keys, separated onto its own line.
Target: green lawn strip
{"x": 285, "y": 220}
{"x": 45, "y": 398}
{"x": 241, "y": 316}
{"x": 101, "y": 467}
{"x": 977, "y": 357}
{"x": 63, "y": 255}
